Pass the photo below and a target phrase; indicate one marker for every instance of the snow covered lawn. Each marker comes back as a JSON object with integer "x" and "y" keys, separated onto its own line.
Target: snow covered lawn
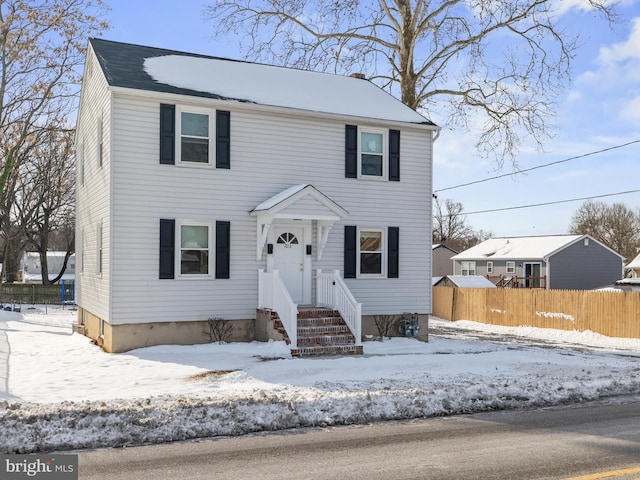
{"x": 62, "y": 392}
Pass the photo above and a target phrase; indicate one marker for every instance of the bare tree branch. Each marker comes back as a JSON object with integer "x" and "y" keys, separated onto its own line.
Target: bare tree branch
{"x": 492, "y": 65}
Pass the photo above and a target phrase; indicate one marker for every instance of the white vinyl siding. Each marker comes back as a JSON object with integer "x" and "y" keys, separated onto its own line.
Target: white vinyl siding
{"x": 270, "y": 152}
{"x": 93, "y": 194}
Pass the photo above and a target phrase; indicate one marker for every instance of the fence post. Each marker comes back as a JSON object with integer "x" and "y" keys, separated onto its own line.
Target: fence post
{"x": 453, "y": 303}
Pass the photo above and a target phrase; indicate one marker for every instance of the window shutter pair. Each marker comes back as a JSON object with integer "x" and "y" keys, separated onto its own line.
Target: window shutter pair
{"x": 167, "y": 249}
{"x": 351, "y": 153}
{"x": 351, "y": 251}
{"x": 168, "y": 136}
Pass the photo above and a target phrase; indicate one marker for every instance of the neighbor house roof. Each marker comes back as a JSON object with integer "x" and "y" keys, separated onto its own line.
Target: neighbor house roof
{"x": 633, "y": 264}
{"x": 440, "y": 245}
{"x": 168, "y": 71}
{"x": 467, "y": 281}
{"x": 521, "y": 248}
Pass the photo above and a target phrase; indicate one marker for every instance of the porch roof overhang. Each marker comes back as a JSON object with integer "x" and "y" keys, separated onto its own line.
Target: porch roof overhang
{"x": 300, "y": 202}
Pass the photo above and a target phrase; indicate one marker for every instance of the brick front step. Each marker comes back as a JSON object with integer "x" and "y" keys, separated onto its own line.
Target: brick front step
{"x": 319, "y": 321}
{"x": 326, "y": 340}
{"x": 323, "y": 330}
{"x": 325, "y": 350}
{"x": 317, "y": 312}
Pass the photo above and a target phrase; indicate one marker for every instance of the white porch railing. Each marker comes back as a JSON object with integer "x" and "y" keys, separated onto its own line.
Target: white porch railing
{"x": 331, "y": 291}
{"x": 273, "y": 294}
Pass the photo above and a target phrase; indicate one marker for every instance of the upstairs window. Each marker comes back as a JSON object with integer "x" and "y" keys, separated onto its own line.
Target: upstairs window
{"x": 192, "y": 136}
{"x": 372, "y": 153}
{"x": 372, "y": 158}
{"x": 195, "y": 133}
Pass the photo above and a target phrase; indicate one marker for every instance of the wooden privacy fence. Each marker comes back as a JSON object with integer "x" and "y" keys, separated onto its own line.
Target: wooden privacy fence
{"x": 610, "y": 313}
{"x": 31, "y": 294}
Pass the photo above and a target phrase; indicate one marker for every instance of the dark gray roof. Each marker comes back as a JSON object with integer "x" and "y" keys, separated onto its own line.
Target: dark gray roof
{"x": 123, "y": 66}
{"x": 169, "y": 71}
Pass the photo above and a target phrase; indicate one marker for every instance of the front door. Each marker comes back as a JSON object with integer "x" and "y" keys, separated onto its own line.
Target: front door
{"x": 288, "y": 258}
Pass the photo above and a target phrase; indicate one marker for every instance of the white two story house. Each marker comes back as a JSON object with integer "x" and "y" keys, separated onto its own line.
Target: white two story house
{"x": 215, "y": 188}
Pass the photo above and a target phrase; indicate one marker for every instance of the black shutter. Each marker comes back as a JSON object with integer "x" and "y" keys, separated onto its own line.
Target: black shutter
{"x": 394, "y": 155}
{"x": 351, "y": 151}
{"x": 223, "y": 139}
{"x": 167, "y": 134}
{"x": 350, "y": 251}
{"x": 393, "y": 251}
{"x": 167, "y": 248}
{"x": 223, "y": 249}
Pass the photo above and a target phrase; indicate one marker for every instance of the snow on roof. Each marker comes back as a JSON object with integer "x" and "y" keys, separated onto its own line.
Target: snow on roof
{"x": 634, "y": 264}
{"x": 155, "y": 69}
{"x": 517, "y": 248}
{"x": 470, "y": 281}
{"x": 280, "y": 197}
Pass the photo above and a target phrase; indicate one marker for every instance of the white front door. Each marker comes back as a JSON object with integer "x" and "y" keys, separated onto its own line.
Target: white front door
{"x": 288, "y": 258}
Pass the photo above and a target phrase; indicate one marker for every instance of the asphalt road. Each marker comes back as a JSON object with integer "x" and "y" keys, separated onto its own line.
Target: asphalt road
{"x": 553, "y": 443}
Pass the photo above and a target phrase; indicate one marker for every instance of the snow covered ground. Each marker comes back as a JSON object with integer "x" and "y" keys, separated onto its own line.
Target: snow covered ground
{"x": 61, "y": 392}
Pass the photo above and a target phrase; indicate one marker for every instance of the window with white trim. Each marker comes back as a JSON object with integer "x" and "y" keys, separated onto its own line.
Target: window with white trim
{"x": 194, "y": 132}
{"x": 372, "y": 153}
{"x": 371, "y": 252}
{"x": 511, "y": 267}
{"x": 194, "y": 252}
{"x": 489, "y": 267}
{"x": 468, "y": 268}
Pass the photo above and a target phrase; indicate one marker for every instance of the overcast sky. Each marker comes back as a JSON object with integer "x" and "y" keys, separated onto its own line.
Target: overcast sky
{"x": 600, "y": 110}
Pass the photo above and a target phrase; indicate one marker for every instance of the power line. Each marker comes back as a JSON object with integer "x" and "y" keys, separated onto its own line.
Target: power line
{"x": 545, "y": 204}
{"x": 539, "y": 166}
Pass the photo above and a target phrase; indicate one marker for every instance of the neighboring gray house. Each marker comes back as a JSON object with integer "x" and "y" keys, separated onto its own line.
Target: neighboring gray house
{"x": 215, "y": 188}
{"x": 556, "y": 262}
{"x": 464, "y": 281}
{"x": 441, "y": 260}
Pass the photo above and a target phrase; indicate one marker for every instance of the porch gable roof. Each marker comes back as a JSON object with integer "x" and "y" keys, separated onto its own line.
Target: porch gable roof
{"x": 299, "y": 202}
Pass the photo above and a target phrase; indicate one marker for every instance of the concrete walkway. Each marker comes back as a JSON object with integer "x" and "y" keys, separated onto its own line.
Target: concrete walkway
{"x": 4, "y": 361}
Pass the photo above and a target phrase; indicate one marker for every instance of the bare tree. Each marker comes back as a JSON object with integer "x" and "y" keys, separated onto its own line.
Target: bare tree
{"x": 45, "y": 197}
{"x": 450, "y": 226}
{"x": 498, "y": 64}
{"x": 42, "y": 46}
{"x": 616, "y": 226}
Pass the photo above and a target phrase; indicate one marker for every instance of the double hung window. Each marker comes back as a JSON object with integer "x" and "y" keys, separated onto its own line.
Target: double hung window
{"x": 468, "y": 268}
{"x": 195, "y": 133}
{"x": 372, "y": 153}
{"x": 194, "y": 249}
{"x": 371, "y": 252}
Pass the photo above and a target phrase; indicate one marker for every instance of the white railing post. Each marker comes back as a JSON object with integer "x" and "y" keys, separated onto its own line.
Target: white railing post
{"x": 332, "y": 292}
{"x": 273, "y": 294}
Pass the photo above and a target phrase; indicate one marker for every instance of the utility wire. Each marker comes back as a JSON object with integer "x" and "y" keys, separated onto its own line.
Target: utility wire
{"x": 544, "y": 204}
{"x": 539, "y": 166}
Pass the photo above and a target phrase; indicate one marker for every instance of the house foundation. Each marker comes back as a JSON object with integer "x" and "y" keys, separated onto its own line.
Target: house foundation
{"x": 122, "y": 338}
